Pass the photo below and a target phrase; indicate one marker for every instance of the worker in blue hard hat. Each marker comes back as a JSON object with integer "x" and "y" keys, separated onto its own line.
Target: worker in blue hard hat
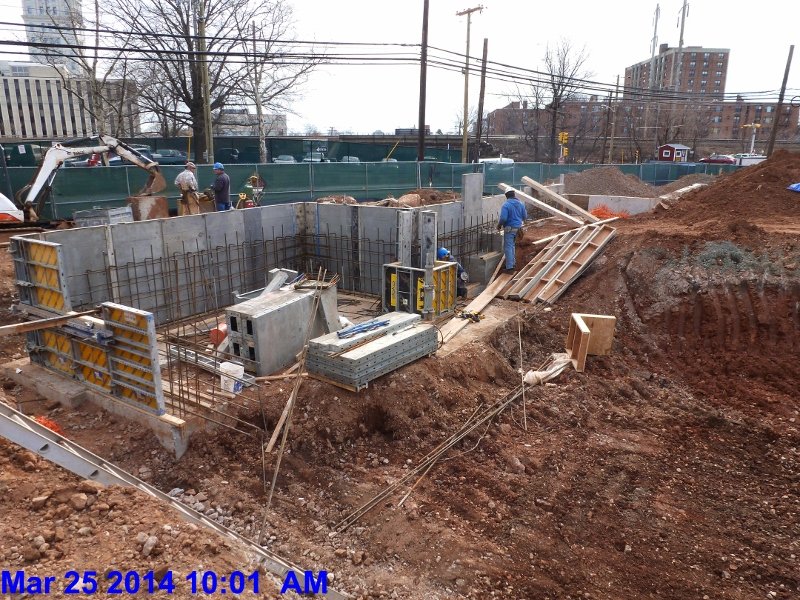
{"x": 461, "y": 274}
{"x": 222, "y": 187}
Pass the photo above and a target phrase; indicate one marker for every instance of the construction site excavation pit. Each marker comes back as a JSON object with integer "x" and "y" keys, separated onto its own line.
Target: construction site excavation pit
{"x": 667, "y": 469}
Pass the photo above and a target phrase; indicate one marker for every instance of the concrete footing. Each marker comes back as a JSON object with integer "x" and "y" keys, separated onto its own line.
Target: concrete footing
{"x": 172, "y": 433}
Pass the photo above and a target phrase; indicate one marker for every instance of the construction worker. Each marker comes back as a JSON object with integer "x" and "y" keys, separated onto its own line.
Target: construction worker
{"x": 461, "y": 274}
{"x": 186, "y": 181}
{"x": 222, "y": 187}
{"x": 512, "y": 215}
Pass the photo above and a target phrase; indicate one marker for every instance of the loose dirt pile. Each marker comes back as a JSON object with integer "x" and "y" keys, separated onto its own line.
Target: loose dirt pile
{"x": 607, "y": 180}
{"x": 52, "y": 522}
{"x": 612, "y": 181}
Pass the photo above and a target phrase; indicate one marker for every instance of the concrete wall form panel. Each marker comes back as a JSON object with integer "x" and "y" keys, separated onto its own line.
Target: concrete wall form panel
{"x": 138, "y": 254}
{"x": 84, "y": 251}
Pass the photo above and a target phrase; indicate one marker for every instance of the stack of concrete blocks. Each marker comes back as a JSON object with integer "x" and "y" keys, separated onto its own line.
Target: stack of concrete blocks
{"x": 268, "y": 331}
{"x": 355, "y": 361}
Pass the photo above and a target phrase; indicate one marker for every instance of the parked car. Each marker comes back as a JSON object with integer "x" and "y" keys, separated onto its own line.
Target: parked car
{"x": 168, "y": 156}
{"x": 315, "y": 157}
{"x": 284, "y": 159}
{"x": 350, "y": 159}
{"x": 719, "y": 159}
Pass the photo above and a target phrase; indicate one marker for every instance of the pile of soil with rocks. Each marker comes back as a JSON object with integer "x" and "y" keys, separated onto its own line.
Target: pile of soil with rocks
{"x": 607, "y": 180}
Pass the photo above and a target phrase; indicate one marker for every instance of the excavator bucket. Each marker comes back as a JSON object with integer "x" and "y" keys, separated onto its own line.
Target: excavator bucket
{"x": 155, "y": 183}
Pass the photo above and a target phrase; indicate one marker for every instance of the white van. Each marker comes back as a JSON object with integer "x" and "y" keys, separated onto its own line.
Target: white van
{"x": 497, "y": 160}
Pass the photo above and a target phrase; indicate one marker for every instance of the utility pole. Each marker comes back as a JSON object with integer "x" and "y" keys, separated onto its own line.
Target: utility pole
{"x": 614, "y": 122}
{"x": 673, "y": 79}
{"x": 201, "y": 31}
{"x": 423, "y": 76}
{"x": 467, "y": 12}
{"x": 773, "y": 134}
{"x": 479, "y": 126}
{"x": 652, "y": 78}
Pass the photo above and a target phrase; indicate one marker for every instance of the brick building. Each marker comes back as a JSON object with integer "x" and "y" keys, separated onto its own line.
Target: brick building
{"x": 692, "y": 69}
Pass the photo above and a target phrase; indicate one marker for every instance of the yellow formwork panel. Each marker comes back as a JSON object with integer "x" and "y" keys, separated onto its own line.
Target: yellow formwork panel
{"x": 93, "y": 367}
{"x": 43, "y": 270}
{"x": 59, "y": 351}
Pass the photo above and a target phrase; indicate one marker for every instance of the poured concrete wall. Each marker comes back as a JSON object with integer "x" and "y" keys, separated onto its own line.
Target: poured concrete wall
{"x": 188, "y": 265}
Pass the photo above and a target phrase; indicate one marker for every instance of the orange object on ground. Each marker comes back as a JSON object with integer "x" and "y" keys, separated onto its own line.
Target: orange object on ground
{"x": 50, "y": 424}
{"x": 601, "y": 211}
{"x": 218, "y": 334}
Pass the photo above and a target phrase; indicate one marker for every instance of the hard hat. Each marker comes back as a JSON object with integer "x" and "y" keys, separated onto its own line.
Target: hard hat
{"x": 191, "y": 165}
{"x": 442, "y": 253}
{"x": 219, "y": 166}
{"x": 509, "y": 193}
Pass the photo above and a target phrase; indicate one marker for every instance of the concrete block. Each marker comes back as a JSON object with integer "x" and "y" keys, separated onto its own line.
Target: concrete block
{"x": 481, "y": 267}
{"x": 629, "y": 204}
{"x": 137, "y": 252}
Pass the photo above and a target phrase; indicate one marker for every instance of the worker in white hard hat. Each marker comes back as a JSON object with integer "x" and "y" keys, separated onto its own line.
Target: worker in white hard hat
{"x": 187, "y": 184}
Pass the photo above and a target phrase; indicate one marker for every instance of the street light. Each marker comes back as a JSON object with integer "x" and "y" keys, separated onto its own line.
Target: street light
{"x": 755, "y": 127}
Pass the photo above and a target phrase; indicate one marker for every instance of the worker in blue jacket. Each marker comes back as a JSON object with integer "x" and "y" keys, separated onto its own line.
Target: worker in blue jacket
{"x": 461, "y": 274}
{"x": 512, "y": 215}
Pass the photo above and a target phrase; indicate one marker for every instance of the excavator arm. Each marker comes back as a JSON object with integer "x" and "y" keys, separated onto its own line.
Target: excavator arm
{"x": 37, "y": 191}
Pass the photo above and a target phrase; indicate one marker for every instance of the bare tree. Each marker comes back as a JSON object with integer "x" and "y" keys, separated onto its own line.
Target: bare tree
{"x": 564, "y": 66}
{"x": 268, "y": 87}
{"x": 168, "y": 30}
{"x": 532, "y": 115}
{"x": 458, "y": 124}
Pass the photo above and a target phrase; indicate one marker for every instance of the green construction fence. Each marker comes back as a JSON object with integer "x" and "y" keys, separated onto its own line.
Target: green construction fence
{"x": 83, "y": 188}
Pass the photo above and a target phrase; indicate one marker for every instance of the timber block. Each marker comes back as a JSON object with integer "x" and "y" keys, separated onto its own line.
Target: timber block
{"x": 589, "y": 334}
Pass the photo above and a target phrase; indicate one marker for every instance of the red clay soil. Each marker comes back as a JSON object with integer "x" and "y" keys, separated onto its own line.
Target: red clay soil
{"x": 669, "y": 469}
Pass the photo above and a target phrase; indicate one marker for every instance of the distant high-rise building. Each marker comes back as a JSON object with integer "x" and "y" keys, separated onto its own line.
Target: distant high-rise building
{"x": 53, "y": 22}
{"x": 691, "y": 69}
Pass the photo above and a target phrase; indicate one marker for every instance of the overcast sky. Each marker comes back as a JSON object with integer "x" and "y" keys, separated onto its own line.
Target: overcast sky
{"x": 615, "y": 34}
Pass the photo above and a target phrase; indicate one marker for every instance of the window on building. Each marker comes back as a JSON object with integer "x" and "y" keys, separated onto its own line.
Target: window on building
{"x": 721, "y": 55}
{"x": 716, "y": 119}
{"x": 767, "y": 120}
{"x": 693, "y": 64}
{"x": 770, "y": 109}
{"x": 694, "y": 54}
{"x": 690, "y": 83}
{"x": 718, "y": 82}
{"x": 718, "y": 73}
{"x": 705, "y": 65}
{"x": 703, "y": 83}
{"x": 706, "y": 55}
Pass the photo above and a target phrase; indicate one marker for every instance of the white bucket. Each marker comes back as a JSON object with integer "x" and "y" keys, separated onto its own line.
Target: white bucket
{"x": 229, "y": 371}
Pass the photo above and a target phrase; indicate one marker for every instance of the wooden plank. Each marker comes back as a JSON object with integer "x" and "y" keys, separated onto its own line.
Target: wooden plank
{"x": 581, "y": 260}
{"x": 344, "y": 386}
{"x": 28, "y": 326}
{"x": 560, "y": 200}
{"x": 539, "y": 204}
{"x": 481, "y": 301}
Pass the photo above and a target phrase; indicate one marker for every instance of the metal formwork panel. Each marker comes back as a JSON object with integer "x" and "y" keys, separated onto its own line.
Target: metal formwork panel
{"x": 52, "y": 349}
{"x": 133, "y": 357}
{"x": 39, "y": 272}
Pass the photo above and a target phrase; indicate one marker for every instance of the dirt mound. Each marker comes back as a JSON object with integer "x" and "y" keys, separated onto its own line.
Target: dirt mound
{"x": 747, "y": 207}
{"x": 337, "y": 200}
{"x": 685, "y": 181}
{"x": 607, "y": 180}
{"x": 431, "y": 196}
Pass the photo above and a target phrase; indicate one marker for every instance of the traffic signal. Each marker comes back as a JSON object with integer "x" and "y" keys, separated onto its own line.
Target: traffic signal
{"x": 566, "y": 151}
{"x": 563, "y": 137}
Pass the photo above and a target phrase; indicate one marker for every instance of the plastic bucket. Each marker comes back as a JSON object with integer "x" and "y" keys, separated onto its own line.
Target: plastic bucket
{"x": 229, "y": 371}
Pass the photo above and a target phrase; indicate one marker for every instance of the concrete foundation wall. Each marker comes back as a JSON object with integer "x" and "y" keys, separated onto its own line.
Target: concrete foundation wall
{"x": 629, "y": 204}
{"x": 188, "y": 265}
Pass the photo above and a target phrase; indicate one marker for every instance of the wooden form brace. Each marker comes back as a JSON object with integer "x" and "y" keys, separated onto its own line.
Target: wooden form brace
{"x": 589, "y": 334}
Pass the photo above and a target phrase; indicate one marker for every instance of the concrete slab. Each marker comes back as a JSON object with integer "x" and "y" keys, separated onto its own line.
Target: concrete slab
{"x": 629, "y": 204}
{"x": 172, "y": 433}
{"x": 494, "y": 315}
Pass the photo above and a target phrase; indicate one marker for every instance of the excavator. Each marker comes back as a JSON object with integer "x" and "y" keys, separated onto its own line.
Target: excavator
{"x": 32, "y": 198}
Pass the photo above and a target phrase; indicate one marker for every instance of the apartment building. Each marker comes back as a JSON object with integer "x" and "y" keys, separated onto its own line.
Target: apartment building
{"x": 52, "y": 22}
{"x": 691, "y": 69}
